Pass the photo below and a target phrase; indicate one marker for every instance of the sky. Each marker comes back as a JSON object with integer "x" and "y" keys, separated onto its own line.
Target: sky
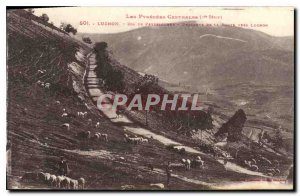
{"x": 275, "y": 21}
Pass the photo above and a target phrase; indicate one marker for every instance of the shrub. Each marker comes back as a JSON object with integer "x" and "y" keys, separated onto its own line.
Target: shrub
{"x": 45, "y": 17}
{"x": 113, "y": 78}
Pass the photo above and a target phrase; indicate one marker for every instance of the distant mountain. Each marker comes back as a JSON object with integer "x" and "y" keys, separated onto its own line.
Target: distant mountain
{"x": 205, "y": 56}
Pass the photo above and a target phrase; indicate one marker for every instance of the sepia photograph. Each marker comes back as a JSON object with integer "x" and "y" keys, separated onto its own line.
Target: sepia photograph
{"x": 150, "y": 98}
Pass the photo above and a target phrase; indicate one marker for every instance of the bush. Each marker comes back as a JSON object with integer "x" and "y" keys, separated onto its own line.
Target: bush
{"x": 100, "y": 47}
{"x": 45, "y": 17}
{"x": 113, "y": 78}
{"x": 87, "y": 40}
{"x": 68, "y": 28}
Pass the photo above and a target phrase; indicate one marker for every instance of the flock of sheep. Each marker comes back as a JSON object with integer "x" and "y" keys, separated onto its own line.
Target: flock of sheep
{"x": 63, "y": 182}
{"x": 43, "y": 84}
{"x": 273, "y": 167}
{"x": 83, "y": 134}
{"x": 135, "y": 139}
{"x": 53, "y": 181}
{"x": 187, "y": 164}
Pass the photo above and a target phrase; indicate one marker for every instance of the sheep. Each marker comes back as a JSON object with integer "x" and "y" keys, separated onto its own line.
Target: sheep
{"x": 57, "y": 102}
{"x": 52, "y": 180}
{"x": 82, "y": 114}
{"x": 97, "y": 125}
{"x": 104, "y": 136}
{"x": 158, "y": 186}
{"x": 188, "y": 164}
{"x": 266, "y": 160}
{"x": 273, "y": 171}
{"x": 270, "y": 174}
{"x": 197, "y": 163}
{"x": 143, "y": 140}
{"x": 47, "y": 177}
{"x": 59, "y": 180}
{"x": 247, "y": 163}
{"x": 87, "y": 106}
{"x": 177, "y": 165}
{"x": 67, "y": 125}
{"x": 90, "y": 121}
{"x": 41, "y": 177}
{"x": 47, "y": 85}
{"x": 81, "y": 183}
{"x": 66, "y": 183}
{"x": 40, "y": 83}
{"x": 42, "y": 71}
{"x": 96, "y": 136}
{"x": 131, "y": 139}
{"x": 64, "y": 114}
{"x": 73, "y": 184}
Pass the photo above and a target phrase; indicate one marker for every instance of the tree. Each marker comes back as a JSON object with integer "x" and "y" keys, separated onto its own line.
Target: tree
{"x": 233, "y": 127}
{"x": 100, "y": 47}
{"x": 70, "y": 29}
{"x": 67, "y": 28}
{"x": 44, "y": 17}
{"x": 115, "y": 80}
{"x": 87, "y": 40}
{"x": 62, "y": 26}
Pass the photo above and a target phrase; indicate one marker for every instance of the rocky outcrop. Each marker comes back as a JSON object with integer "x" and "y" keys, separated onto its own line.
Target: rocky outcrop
{"x": 233, "y": 127}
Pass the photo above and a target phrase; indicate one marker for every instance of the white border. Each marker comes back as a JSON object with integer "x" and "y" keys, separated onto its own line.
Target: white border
{"x": 3, "y": 4}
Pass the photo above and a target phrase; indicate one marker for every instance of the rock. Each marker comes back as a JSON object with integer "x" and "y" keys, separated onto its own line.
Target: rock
{"x": 233, "y": 127}
{"x": 158, "y": 186}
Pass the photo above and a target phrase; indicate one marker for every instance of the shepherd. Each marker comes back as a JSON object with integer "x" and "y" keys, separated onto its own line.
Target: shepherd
{"x": 168, "y": 172}
{"x": 63, "y": 167}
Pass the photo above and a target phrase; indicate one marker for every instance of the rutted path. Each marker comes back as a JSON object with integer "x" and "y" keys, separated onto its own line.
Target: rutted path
{"x": 94, "y": 90}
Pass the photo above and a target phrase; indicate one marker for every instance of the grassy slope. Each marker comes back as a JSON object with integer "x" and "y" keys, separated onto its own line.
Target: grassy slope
{"x": 34, "y": 120}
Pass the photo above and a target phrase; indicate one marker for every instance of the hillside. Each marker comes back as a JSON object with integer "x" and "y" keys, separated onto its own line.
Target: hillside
{"x": 48, "y": 75}
{"x": 36, "y": 138}
{"x": 230, "y": 67}
{"x": 205, "y": 56}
